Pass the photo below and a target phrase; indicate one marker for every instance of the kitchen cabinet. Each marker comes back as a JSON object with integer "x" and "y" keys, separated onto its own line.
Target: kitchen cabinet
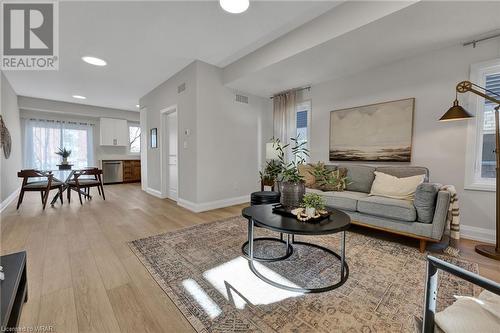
{"x": 131, "y": 171}
{"x": 113, "y": 132}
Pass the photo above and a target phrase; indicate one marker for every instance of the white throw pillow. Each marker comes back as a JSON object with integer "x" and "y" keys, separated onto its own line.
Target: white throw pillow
{"x": 389, "y": 186}
{"x": 469, "y": 314}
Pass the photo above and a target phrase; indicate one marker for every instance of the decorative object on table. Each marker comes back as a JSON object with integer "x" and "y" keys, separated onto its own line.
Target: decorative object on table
{"x": 300, "y": 213}
{"x": 290, "y": 182}
{"x": 5, "y": 140}
{"x": 64, "y": 153}
{"x": 270, "y": 174}
{"x": 456, "y": 112}
{"x": 312, "y": 203}
{"x": 154, "y": 137}
{"x": 203, "y": 253}
{"x": 64, "y": 166}
{"x": 329, "y": 180}
{"x": 376, "y": 132}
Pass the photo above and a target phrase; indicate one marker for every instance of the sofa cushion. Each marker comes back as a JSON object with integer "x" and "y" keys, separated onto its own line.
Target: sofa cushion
{"x": 360, "y": 178}
{"x": 405, "y": 171}
{"x": 470, "y": 314}
{"x": 389, "y": 186}
{"x": 305, "y": 171}
{"x": 345, "y": 200}
{"x": 397, "y": 209}
{"x": 425, "y": 201}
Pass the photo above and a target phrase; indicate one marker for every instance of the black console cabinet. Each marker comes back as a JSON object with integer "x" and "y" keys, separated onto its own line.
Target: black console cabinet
{"x": 13, "y": 289}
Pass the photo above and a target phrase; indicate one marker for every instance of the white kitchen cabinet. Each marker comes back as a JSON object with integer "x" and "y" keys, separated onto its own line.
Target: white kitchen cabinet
{"x": 114, "y": 132}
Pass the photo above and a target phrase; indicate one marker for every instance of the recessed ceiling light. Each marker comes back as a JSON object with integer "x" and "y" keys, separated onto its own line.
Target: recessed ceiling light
{"x": 94, "y": 61}
{"x": 79, "y": 97}
{"x": 137, "y": 106}
{"x": 234, "y": 6}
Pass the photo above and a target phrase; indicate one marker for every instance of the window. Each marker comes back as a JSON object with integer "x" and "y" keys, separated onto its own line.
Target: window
{"x": 43, "y": 138}
{"x": 134, "y": 134}
{"x": 480, "y": 153}
{"x": 303, "y": 122}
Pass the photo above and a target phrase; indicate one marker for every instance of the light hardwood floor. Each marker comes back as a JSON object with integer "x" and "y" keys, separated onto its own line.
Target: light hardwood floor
{"x": 82, "y": 276}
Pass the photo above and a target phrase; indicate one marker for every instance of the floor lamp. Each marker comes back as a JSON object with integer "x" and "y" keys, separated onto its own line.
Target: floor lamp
{"x": 457, "y": 112}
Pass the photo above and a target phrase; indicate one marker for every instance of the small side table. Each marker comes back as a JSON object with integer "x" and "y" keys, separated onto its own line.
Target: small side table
{"x": 264, "y": 198}
{"x": 14, "y": 289}
{"x": 64, "y": 166}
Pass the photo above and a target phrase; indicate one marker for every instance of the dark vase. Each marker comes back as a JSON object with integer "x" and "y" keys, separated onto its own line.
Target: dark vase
{"x": 292, "y": 193}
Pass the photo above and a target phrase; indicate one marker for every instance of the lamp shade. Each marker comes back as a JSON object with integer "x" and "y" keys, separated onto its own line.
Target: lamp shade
{"x": 271, "y": 152}
{"x": 456, "y": 112}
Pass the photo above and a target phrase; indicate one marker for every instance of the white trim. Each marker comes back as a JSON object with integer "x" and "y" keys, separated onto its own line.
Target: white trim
{"x": 155, "y": 193}
{"x": 474, "y": 139}
{"x": 4, "y": 204}
{"x": 143, "y": 121}
{"x": 202, "y": 207}
{"x": 477, "y": 234}
{"x": 162, "y": 140}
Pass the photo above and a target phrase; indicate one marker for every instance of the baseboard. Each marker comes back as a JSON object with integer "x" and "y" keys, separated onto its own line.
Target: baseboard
{"x": 204, "y": 206}
{"x": 477, "y": 234}
{"x": 9, "y": 199}
{"x": 155, "y": 193}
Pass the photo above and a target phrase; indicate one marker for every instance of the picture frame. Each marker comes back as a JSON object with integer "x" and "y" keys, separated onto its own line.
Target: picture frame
{"x": 154, "y": 138}
{"x": 380, "y": 132}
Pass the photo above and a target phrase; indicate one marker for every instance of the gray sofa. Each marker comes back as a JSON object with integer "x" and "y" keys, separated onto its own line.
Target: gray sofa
{"x": 424, "y": 218}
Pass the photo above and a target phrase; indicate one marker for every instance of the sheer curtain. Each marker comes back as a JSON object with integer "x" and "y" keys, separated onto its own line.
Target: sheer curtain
{"x": 284, "y": 117}
{"x": 42, "y": 138}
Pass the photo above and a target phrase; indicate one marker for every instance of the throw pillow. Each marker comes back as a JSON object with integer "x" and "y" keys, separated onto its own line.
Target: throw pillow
{"x": 425, "y": 201}
{"x": 389, "y": 186}
{"x": 470, "y": 314}
{"x": 305, "y": 172}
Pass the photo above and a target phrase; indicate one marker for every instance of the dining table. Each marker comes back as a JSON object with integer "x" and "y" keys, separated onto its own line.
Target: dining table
{"x": 64, "y": 176}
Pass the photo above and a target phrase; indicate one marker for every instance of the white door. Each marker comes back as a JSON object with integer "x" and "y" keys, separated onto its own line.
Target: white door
{"x": 172, "y": 155}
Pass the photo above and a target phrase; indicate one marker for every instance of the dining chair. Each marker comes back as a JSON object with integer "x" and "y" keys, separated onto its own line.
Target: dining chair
{"x": 44, "y": 184}
{"x": 78, "y": 184}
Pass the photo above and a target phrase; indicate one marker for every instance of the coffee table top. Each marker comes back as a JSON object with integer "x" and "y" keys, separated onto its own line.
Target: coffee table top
{"x": 263, "y": 216}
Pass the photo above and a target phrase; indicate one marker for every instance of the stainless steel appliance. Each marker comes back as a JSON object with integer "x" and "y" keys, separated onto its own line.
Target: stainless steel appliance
{"x": 112, "y": 172}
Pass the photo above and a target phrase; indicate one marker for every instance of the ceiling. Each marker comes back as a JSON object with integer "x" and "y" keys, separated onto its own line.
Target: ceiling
{"x": 417, "y": 29}
{"x": 145, "y": 43}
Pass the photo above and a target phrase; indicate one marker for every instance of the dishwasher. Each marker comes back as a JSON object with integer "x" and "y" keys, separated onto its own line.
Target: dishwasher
{"x": 112, "y": 172}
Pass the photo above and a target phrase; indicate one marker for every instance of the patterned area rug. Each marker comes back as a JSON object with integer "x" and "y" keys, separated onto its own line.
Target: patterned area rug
{"x": 202, "y": 270}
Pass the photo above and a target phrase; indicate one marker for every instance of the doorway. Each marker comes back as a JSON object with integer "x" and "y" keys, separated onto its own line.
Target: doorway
{"x": 169, "y": 150}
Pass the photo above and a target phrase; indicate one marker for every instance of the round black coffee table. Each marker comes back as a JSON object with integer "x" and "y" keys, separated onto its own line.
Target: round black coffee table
{"x": 263, "y": 216}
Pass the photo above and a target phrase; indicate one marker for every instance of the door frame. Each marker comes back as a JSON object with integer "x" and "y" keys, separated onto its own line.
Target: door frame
{"x": 163, "y": 151}
{"x": 143, "y": 120}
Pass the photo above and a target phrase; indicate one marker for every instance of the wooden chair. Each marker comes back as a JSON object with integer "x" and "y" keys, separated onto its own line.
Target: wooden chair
{"x": 78, "y": 184}
{"x": 43, "y": 186}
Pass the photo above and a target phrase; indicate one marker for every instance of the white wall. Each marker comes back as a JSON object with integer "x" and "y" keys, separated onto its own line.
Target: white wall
{"x": 431, "y": 79}
{"x": 48, "y": 109}
{"x": 164, "y": 96}
{"x": 229, "y": 143}
{"x": 225, "y": 145}
{"x": 9, "y": 167}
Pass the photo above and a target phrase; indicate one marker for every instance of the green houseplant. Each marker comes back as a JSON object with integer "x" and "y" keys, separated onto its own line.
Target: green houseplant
{"x": 64, "y": 153}
{"x": 290, "y": 182}
{"x": 312, "y": 202}
{"x": 270, "y": 173}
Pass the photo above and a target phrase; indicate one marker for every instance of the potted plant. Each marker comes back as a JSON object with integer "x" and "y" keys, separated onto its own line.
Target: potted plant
{"x": 312, "y": 202}
{"x": 290, "y": 183}
{"x": 64, "y": 153}
{"x": 270, "y": 173}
